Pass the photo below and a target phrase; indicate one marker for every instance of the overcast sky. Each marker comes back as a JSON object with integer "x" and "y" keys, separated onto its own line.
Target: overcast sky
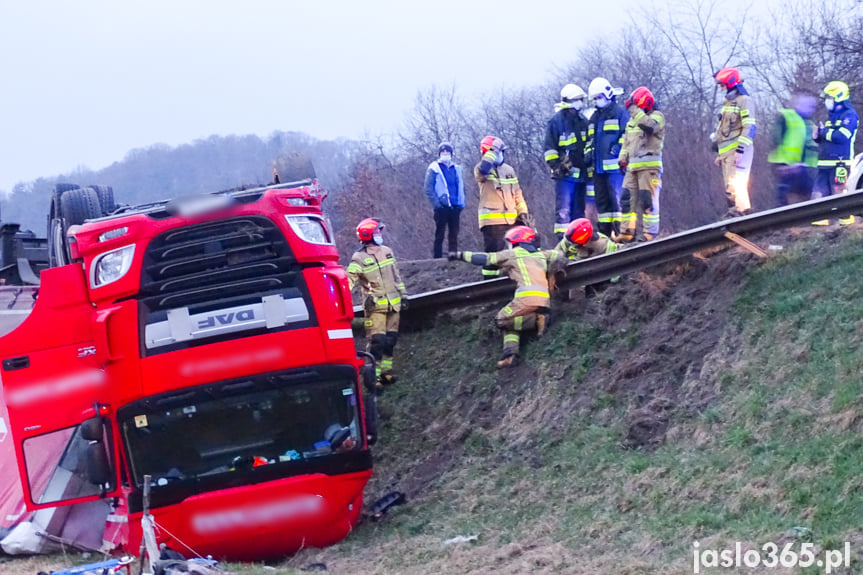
{"x": 83, "y": 82}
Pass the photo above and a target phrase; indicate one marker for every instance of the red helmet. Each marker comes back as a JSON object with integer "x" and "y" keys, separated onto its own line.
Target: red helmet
{"x": 367, "y": 229}
{"x": 520, "y": 234}
{"x": 487, "y": 142}
{"x": 580, "y": 231}
{"x": 643, "y": 98}
{"x": 728, "y": 77}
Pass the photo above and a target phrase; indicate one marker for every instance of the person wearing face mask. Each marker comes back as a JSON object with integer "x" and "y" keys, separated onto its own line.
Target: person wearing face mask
{"x": 605, "y": 133}
{"x": 733, "y": 138}
{"x": 444, "y": 186}
{"x": 373, "y": 267}
{"x": 565, "y": 136}
{"x": 835, "y": 140}
{"x": 501, "y": 202}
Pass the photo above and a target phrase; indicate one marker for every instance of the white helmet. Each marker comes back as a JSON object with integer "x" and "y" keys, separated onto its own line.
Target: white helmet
{"x": 601, "y": 86}
{"x": 570, "y": 93}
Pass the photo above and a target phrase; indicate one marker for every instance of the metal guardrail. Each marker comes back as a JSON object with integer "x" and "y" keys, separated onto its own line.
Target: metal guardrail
{"x": 640, "y": 256}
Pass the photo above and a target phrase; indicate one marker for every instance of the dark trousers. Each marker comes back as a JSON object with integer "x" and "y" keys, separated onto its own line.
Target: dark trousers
{"x": 569, "y": 202}
{"x": 608, "y": 189}
{"x": 795, "y": 181}
{"x": 445, "y": 218}
{"x": 492, "y": 239}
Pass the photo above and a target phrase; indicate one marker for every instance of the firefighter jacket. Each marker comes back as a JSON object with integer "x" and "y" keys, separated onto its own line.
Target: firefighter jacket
{"x": 605, "y": 136}
{"x": 437, "y": 191}
{"x": 836, "y": 140}
{"x": 791, "y": 140}
{"x": 736, "y": 122}
{"x": 374, "y": 268}
{"x": 525, "y": 265}
{"x": 500, "y": 197}
{"x": 599, "y": 244}
{"x": 642, "y": 143}
{"x": 565, "y": 137}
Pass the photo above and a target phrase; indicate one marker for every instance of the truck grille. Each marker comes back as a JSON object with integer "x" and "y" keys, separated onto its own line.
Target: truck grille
{"x": 217, "y": 266}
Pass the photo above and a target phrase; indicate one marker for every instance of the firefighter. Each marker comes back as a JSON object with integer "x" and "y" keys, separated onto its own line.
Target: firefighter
{"x": 835, "y": 144}
{"x": 525, "y": 264}
{"x": 565, "y": 137}
{"x": 605, "y": 137}
{"x": 580, "y": 241}
{"x": 641, "y": 161}
{"x": 374, "y": 268}
{"x": 793, "y": 156}
{"x": 733, "y": 139}
{"x": 501, "y": 203}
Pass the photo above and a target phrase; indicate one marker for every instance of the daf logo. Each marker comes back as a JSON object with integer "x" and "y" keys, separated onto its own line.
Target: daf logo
{"x": 87, "y": 351}
{"x": 230, "y": 318}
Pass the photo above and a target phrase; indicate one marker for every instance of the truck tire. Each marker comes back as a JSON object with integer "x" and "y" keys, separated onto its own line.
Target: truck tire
{"x": 73, "y": 207}
{"x": 106, "y": 198}
{"x": 79, "y": 205}
{"x": 295, "y": 167}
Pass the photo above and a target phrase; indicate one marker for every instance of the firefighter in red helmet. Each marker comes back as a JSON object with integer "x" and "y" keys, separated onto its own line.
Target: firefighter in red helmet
{"x": 501, "y": 203}
{"x": 581, "y": 241}
{"x": 525, "y": 264}
{"x": 641, "y": 161}
{"x": 373, "y": 267}
{"x": 733, "y": 139}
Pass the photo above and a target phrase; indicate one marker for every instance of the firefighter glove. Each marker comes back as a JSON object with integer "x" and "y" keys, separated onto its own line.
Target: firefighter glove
{"x": 453, "y": 256}
{"x": 405, "y": 303}
{"x": 623, "y": 164}
{"x": 588, "y": 158}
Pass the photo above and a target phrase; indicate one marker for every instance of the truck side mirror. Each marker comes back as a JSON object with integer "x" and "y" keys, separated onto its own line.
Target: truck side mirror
{"x": 98, "y": 466}
{"x": 92, "y": 429}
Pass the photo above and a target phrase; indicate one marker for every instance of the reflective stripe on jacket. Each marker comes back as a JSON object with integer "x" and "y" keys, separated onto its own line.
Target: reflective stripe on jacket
{"x": 605, "y": 136}
{"x": 736, "y": 123}
{"x": 565, "y": 137}
{"x": 642, "y": 144}
{"x": 527, "y": 268}
{"x": 836, "y": 142}
{"x": 374, "y": 268}
{"x": 500, "y": 197}
{"x": 599, "y": 244}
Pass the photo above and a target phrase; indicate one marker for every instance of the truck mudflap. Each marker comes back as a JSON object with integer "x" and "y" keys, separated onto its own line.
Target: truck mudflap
{"x": 261, "y": 521}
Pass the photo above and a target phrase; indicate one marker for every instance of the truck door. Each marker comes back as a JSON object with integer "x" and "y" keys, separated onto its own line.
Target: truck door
{"x": 58, "y": 399}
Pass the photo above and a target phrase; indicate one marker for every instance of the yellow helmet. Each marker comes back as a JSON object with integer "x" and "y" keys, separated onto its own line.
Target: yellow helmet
{"x": 836, "y": 90}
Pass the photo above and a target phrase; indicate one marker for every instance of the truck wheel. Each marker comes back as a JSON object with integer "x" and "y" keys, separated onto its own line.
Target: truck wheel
{"x": 295, "y": 167}
{"x": 106, "y": 198}
{"x": 79, "y": 205}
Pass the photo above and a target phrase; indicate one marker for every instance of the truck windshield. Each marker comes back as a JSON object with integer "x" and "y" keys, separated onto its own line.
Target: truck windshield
{"x": 242, "y": 427}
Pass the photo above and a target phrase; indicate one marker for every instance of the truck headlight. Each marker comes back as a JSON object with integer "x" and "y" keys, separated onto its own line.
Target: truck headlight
{"x": 111, "y": 266}
{"x": 310, "y": 229}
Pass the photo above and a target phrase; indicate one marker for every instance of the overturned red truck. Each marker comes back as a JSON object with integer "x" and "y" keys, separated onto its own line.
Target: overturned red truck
{"x": 205, "y": 342}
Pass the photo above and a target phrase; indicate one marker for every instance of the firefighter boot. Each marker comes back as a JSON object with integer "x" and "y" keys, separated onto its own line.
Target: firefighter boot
{"x": 508, "y": 360}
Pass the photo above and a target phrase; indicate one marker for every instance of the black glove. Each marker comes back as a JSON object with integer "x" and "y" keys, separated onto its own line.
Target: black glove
{"x": 405, "y": 303}
{"x": 453, "y": 256}
{"x": 589, "y": 158}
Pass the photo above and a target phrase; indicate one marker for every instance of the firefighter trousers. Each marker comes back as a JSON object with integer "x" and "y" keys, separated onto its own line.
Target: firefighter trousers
{"x": 492, "y": 240}
{"x": 513, "y": 319}
{"x": 735, "y": 174}
{"x": 640, "y": 196}
{"x": 607, "y": 188}
{"x": 569, "y": 203}
{"x": 382, "y": 333}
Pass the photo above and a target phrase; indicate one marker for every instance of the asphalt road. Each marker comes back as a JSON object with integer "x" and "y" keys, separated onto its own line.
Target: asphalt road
{"x": 15, "y": 305}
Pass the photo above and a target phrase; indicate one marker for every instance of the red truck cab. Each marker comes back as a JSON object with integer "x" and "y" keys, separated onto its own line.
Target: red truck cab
{"x": 206, "y": 343}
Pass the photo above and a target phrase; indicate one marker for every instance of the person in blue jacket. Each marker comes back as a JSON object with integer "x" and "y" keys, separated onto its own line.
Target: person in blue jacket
{"x": 835, "y": 144}
{"x": 444, "y": 186}
{"x": 605, "y": 138}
